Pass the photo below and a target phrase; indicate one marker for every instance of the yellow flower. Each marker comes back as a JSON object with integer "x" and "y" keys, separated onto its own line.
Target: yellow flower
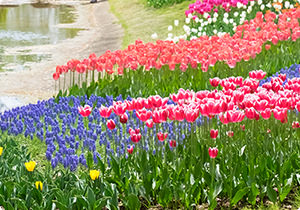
{"x": 30, "y": 165}
{"x": 94, "y": 174}
{"x": 1, "y": 150}
{"x": 39, "y": 185}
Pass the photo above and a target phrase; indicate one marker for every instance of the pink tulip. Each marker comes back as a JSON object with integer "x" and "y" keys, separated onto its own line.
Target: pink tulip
{"x": 110, "y": 124}
{"x": 162, "y": 136}
{"x": 214, "y": 133}
{"x": 149, "y": 123}
{"x": 213, "y": 152}
{"x": 85, "y": 111}
{"x": 105, "y": 111}
{"x": 172, "y": 143}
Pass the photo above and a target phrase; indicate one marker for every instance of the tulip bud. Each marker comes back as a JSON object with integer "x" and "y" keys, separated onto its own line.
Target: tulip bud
{"x": 123, "y": 118}
{"x": 214, "y": 133}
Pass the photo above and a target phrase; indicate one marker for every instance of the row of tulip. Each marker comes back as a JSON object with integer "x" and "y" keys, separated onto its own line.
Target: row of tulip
{"x": 65, "y": 131}
{"x": 246, "y": 43}
{"x": 221, "y": 21}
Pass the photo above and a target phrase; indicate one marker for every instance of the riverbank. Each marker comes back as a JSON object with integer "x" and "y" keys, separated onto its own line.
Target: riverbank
{"x": 101, "y": 33}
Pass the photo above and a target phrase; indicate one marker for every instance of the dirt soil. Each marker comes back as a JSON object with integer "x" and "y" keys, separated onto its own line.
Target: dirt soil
{"x": 102, "y": 33}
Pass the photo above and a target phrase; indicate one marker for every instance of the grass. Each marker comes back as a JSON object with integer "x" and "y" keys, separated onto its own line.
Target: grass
{"x": 140, "y": 21}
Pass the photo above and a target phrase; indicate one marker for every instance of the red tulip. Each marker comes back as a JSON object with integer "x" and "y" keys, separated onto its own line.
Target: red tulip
{"x": 85, "y": 111}
{"x": 295, "y": 124}
{"x": 258, "y": 74}
{"x": 191, "y": 115}
{"x": 149, "y": 123}
{"x": 280, "y": 114}
{"x": 298, "y": 105}
{"x": 251, "y": 113}
{"x": 215, "y": 81}
{"x": 123, "y": 118}
{"x": 230, "y": 133}
{"x": 110, "y": 124}
{"x": 143, "y": 114}
{"x": 105, "y": 111}
{"x": 214, "y": 133}
{"x": 266, "y": 114}
{"x": 135, "y": 138}
{"x": 267, "y": 46}
{"x": 242, "y": 127}
{"x": 56, "y": 76}
{"x": 172, "y": 143}
{"x": 213, "y": 152}
{"x": 162, "y": 136}
{"x": 130, "y": 149}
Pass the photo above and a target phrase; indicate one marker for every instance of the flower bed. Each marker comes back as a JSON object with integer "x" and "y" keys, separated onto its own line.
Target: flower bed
{"x": 156, "y": 140}
{"x": 128, "y": 72}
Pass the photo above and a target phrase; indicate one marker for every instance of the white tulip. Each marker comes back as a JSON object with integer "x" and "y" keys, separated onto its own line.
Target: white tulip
{"x": 154, "y": 36}
{"x": 194, "y": 30}
{"x": 209, "y": 20}
{"x": 214, "y": 19}
{"x": 287, "y": 4}
{"x": 215, "y": 31}
{"x": 235, "y": 14}
{"x": 205, "y": 15}
{"x": 216, "y": 15}
{"x": 252, "y": 3}
{"x": 170, "y": 28}
{"x": 259, "y": 2}
{"x": 239, "y": 5}
{"x": 262, "y": 7}
{"x": 176, "y": 22}
{"x": 231, "y": 20}
{"x": 199, "y": 34}
{"x": 269, "y": 5}
{"x": 170, "y": 35}
{"x": 226, "y": 15}
{"x": 187, "y": 20}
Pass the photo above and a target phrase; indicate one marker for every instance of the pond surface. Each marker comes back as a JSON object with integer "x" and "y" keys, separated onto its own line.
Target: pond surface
{"x": 29, "y": 25}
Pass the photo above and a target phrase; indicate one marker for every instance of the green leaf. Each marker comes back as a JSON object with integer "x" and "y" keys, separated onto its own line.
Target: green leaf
{"x": 91, "y": 197}
{"x": 239, "y": 195}
{"x": 19, "y": 203}
{"x": 133, "y": 202}
{"x": 101, "y": 165}
{"x": 101, "y": 203}
{"x": 89, "y": 160}
{"x": 271, "y": 194}
{"x": 253, "y": 194}
{"x": 60, "y": 206}
{"x": 286, "y": 189}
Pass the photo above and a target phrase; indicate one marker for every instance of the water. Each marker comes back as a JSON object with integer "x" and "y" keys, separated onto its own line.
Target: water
{"x": 30, "y": 25}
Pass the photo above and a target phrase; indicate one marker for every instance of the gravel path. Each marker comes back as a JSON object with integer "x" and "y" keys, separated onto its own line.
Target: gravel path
{"x": 103, "y": 33}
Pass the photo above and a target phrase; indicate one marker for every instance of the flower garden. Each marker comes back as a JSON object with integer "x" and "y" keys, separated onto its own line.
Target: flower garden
{"x": 208, "y": 118}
